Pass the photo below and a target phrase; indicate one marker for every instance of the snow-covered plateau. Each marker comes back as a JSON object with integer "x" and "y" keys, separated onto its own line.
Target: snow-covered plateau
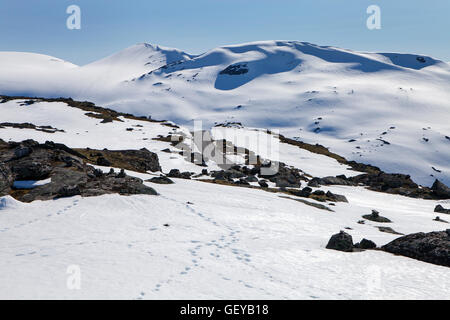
{"x": 70, "y": 227}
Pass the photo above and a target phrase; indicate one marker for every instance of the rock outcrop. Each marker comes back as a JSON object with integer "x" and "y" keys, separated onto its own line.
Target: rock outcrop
{"x": 66, "y": 169}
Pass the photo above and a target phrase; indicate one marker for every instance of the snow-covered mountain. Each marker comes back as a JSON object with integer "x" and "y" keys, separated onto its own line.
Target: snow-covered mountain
{"x": 386, "y": 109}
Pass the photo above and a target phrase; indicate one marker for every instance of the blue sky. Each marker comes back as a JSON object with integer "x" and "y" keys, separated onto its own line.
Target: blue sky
{"x": 195, "y": 26}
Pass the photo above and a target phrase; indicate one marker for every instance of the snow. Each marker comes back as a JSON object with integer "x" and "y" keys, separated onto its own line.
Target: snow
{"x": 289, "y": 86}
{"x": 246, "y": 244}
{"x": 8, "y": 203}
{"x": 30, "y": 184}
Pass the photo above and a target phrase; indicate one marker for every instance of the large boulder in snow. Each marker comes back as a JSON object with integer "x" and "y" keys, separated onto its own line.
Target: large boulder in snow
{"x": 366, "y": 244}
{"x": 440, "y": 190}
{"x": 441, "y": 209}
{"x": 341, "y": 241}
{"x": 432, "y": 247}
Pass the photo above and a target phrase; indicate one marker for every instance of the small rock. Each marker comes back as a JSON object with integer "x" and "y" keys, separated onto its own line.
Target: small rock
{"x": 319, "y": 193}
{"x": 122, "y": 174}
{"x": 251, "y": 179}
{"x": 341, "y": 241}
{"x": 367, "y": 244}
{"x": 388, "y": 230}
{"x": 336, "y": 197}
{"x": 440, "y": 220}
{"x": 375, "y": 216}
{"x": 161, "y": 180}
{"x": 174, "y": 173}
{"x": 441, "y": 209}
{"x": 263, "y": 183}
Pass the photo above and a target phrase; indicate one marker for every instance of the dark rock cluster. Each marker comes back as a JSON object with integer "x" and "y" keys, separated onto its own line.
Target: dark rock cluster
{"x": 342, "y": 241}
{"x": 134, "y": 160}
{"x": 284, "y": 177}
{"x": 386, "y": 182}
{"x": 235, "y": 69}
{"x": 70, "y": 174}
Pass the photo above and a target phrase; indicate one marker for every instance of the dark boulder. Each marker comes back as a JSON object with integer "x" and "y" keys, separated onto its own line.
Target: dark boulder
{"x": 186, "y": 175}
{"x": 438, "y": 219}
{"x": 287, "y": 182}
{"x": 174, "y": 173}
{"x": 440, "y": 190}
{"x": 234, "y": 173}
{"x": 366, "y": 244}
{"x": 242, "y": 182}
{"x": 432, "y": 247}
{"x": 336, "y": 197}
{"x": 319, "y": 193}
{"x": 341, "y": 241}
{"x": 263, "y": 183}
{"x": 375, "y": 216}
{"x": 305, "y": 192}
{"x": 441, "y": 209}
{"x": 32, "y": 169}
{"x": 102, "y": 161}
{"x": 161, "y": 180}
{"x": 251, "y": 179}
{"x": 314, "y": 183}
{"x": 388, "y": 230}
{"x": 21, "y": 152}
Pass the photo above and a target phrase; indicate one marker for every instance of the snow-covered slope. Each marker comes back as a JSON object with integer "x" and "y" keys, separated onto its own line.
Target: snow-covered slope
{"x": 246, "y": 244}
{"x": 196, "y": 239}
{"x": 386, "y": 109}
{"x": 30, "y": 73}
